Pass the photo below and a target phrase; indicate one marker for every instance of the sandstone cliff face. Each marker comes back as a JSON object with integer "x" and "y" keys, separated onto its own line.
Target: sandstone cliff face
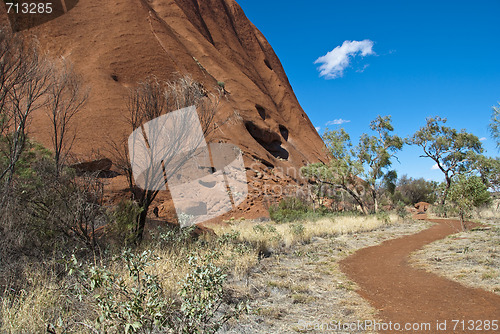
{"x": 115, "y": 44}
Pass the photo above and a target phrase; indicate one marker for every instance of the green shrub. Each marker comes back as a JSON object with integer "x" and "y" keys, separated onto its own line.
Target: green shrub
{"x": 401, "y": 210}
{"x": 411, "y": 191}
{"x": 446, "y": 210}
{"x": 289, "y": 209}
{"x": 467, "y": 193}
{"x": 383, "y": 216}
{"x": 201, "y": 296}
{"x": 124, "y": 307}
{"x": 140, "y": 305}
{"x": 297, "y": 229}
{"x": 125, "y": 220}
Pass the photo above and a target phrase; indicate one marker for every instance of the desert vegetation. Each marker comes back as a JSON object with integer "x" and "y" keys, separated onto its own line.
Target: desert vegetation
{"x": 363, "y": 173}
{"x": 72, "y": 262}
{"x": 469, "y": 257}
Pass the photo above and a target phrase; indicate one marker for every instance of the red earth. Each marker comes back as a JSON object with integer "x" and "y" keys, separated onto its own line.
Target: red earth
{"x": 116, "y": 44}
{"x": 405, "y": 295}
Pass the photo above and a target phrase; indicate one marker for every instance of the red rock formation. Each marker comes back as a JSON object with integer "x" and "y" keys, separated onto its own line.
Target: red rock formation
{"x": 116, "y": 43}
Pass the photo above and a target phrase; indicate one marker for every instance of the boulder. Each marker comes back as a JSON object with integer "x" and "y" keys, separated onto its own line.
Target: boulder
{"x": 93, "y": 166}
{"x": 422, "y": 206}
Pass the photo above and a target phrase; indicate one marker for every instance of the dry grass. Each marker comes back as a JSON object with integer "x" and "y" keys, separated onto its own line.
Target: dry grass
{"x": 471, "y": 257}
{"x": 275, "y": 235}
{"x": 302, "y": 284}
{"x": 28, "y": 311}
{"x": 31, "y": 310}
{"x": 298, "y": 281}
{"x": 48, "y": 300}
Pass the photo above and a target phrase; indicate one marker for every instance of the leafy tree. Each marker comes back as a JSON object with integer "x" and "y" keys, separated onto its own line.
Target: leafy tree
{"x": 468, "y": 192}
{"x": 495, "y": 124}
{"x": 377, "y": 151}
{"x": 389, "y": 181}
{"x": 343, "y": 169}
{"x": 489, "y": 170}
{"x": 416, "y": 190}
{"x": 454, "y": 152}
{"x": 24, "y": 79}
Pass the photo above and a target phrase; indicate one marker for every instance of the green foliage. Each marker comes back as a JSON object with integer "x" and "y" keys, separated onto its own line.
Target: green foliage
{"x": 64, "y": 211}
{"x": 289, "y": 209}
{"x": 370, "y": 159}
{"x": 412, "y": 190}
{"x": 233, "y": 238}
{"x": 201, "y": 296}
{"x": 377, "y": 151}
{"x": 453, "y": 151}
{"x": 32, "y": 153}
{"x": 138, "y": 304}
{"x": 173, "y": 237}
{"x": 124, "y": 306}
{"x": 468, "y": 192}
{"x": 495, "y": 124}
{"x": 383, "y": 216}
{"x": 344, "y": 167}
{"x": 297, "y": 229}
{"x": 389, "y": 181}
{"x": 401, "y": 210}
{"x": 489, "y": 171}
{"x": 445, "y": 210}
{"x": 342, "y": 171}
{"x": 263, "y": 229}
{"x": 124, "y": 221}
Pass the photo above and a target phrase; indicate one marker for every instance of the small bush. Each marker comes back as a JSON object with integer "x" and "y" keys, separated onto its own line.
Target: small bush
{"x": 173, "y": 236}
{"x": 289, "y": 209}
{"x": 125, "y": 219}
{"x": 201, "y": 296}
{"x": 124, "y": 306}
{"x": 138, "y": 303}
{"x": 411, "y": 191}
{"x": 384, "y": 217}
{"x": 445, "y": 210}
{"x": 297, "y": 229}
{"x": 401, "y": 210}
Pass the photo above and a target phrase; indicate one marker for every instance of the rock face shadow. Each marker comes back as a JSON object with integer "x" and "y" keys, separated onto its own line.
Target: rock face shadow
{"x": 29, "y": 14}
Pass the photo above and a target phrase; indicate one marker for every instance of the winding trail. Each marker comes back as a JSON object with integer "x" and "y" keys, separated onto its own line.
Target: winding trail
{"x": 403, "y": 294}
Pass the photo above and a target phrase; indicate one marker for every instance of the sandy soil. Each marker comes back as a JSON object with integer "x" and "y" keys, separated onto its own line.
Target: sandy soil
{"x": 404, "y": 294}
{"x": 303, "y": 288}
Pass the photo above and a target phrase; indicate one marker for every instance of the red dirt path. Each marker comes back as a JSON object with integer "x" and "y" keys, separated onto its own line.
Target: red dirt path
{"x": 404, "y": 294}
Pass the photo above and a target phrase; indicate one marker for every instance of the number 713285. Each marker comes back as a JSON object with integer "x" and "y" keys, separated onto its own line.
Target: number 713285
{"x": 29, "y": 8}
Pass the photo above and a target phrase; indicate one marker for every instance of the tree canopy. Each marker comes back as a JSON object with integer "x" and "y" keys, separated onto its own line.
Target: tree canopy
{"x": 454, "y": 152}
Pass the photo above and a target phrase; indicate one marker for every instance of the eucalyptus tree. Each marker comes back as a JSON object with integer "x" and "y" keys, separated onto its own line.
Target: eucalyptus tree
{"x": 454, "y": 152}
{"x": 376, "y": 153}
{"x": 342, "y": 171}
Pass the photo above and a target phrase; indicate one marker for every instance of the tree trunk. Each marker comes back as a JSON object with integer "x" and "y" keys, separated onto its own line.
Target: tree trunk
{"x": 462, "y": 218}
{"x": 375, "y": 199}
{"x": 445, "y": 193}
{"x": 357, "y": 199}
{"x": 141, "y": 223}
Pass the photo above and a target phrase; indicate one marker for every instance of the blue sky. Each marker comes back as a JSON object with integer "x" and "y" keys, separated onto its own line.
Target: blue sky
{"x": 429, "y": 58}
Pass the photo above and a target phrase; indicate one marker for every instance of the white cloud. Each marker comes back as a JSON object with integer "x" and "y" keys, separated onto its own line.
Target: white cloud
{"x": 338, "y": 121}
{"x": 361, "y": 70}
{"x": 435, "y": 166}
{"x": 318, "y": 128}
{"x": 482, "y": 138}
{"x": 336, "y": 61}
